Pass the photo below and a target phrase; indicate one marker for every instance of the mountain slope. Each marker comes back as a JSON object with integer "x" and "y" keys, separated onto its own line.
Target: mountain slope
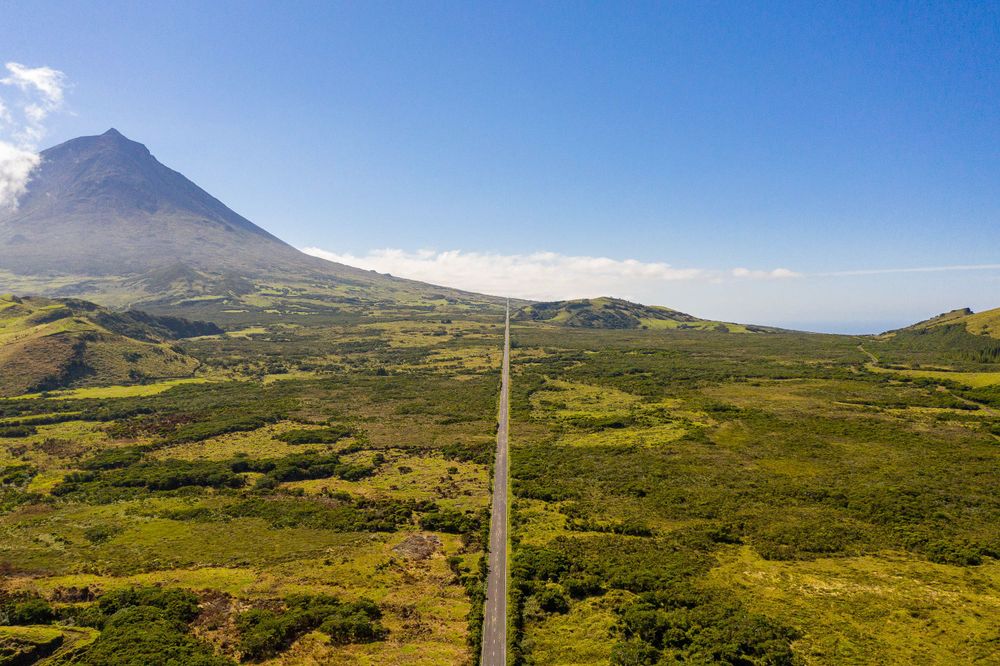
{"x": 976, "y": 323}
{"x": 620, "y": 314}
{"x": 47, "y": 344}
{"x": 104, "y": 220}
{"x": 104, "y": 205}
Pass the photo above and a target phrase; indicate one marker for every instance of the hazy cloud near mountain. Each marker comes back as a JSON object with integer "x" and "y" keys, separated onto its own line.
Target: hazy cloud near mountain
{"x": 537, "y": 276}
{"x": 28, "y": 95}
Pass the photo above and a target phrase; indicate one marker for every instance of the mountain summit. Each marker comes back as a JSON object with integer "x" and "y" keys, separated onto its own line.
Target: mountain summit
{"x": 103, "y": 205}
{"x": 104, "y": 220}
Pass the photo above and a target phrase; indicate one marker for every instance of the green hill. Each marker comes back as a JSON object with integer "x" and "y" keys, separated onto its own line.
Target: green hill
{"x": 977, "y": 323}
{"x": 956, "y": 340}
{"x": 621, "y": 314}
{"x": 57, "y": 343}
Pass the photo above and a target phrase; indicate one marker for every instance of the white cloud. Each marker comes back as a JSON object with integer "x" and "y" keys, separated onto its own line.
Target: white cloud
{"x": 16, "y": 165}
{"x": 537, "y": 276}
{"x": 918, "y": 269}
{"x": 776, "y": 274}
{"x": 37, "y": 92}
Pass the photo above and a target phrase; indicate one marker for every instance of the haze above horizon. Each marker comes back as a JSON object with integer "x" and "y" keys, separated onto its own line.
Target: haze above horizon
{"x": 821, "y": 167}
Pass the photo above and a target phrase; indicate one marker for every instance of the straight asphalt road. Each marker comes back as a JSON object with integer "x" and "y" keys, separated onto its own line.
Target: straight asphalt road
{"x": 495, "y": 620}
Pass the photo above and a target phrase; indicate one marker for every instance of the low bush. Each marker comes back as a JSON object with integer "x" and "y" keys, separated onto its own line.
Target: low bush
{"x": 266, "y": 633}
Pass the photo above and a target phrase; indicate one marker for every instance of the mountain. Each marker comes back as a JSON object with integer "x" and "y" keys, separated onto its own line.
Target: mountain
{"x": 103, "y": 219}
{"x": 56, "y": 343}
{"x": 982, "y": 323}
{"x": 620, "y": 314}
{"x": 103, "y": 205}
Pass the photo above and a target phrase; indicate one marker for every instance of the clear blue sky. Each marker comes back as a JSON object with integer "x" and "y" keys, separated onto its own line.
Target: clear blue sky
{"x": 816, "y": 137}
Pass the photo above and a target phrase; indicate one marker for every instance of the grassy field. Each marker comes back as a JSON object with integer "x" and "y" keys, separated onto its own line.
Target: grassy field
{"x": 344, "y": 463}
{"x": 318, "y": 490}
{"x": 765, "y": 498}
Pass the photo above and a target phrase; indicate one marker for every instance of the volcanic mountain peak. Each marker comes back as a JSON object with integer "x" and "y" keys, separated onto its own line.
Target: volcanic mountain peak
{"x": 104, "y": 220}
{"x": 104, "y": 205}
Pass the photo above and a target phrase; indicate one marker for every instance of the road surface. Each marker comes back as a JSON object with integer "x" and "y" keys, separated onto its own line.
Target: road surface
{"x": 495, "y": 620}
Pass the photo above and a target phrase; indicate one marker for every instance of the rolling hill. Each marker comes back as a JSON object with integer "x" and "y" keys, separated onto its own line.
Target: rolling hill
{"x": 616, "y": 313}
{"x": 58, "y": 343}
{"x": 956, "y": 340}
{"x": 976, "y": 323}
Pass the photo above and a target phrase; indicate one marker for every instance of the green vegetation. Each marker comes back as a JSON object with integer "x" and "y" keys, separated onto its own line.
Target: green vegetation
{"x": 680, "y": 493}
{"x": 618, "y": 314}
{"x": 265, "y": 633}
{"x": 715, "y": 499}
{"x": 286, "y": 470}
{"x": 985, "y": 323}
{"x": 138, "y": 625}
{"x": 328, "y": 435}
{"x": 48, "y": 344}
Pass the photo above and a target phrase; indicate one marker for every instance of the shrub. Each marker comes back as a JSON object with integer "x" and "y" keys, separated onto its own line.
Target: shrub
{"x": 176, "y": 604}
{"x": 450, "y": 521}
{"x": 100, "y": 533}
{"x": 29, "y": 611}
{"x": 142, "y": 635}
{"x": 265, "y": 633}
{"x": 17, "y": 430}
{"x": 551, "y": 599}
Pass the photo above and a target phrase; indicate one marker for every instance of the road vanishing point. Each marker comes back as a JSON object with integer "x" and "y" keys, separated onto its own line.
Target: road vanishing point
{"x": 495, "y": 619}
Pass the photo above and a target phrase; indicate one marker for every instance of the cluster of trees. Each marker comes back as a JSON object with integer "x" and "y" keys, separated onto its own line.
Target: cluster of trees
{"x": 670, "y": 617}
{"x": 125, "y": 468}
{"x": 265, "y": 633}
{"x": 150, "y": 625}
{"x": 18, "y": 430}
{"x": 138, "y": 626}
{"x": 476, "y": 452}
{"x": 454, "y": 522}
{"x": 686, "y": 624}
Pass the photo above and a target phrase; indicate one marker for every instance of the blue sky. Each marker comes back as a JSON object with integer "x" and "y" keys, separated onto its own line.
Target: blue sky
{"x": 698, "y": 146}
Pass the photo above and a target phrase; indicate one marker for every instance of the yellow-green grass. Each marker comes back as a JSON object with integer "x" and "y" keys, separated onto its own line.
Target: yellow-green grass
{"x": 405, "y": 334}
{"x": 564, "y": 399}
{"x": 465, "y": 359}
{"x": 235, "y": 581}
{"x": 984, "y": 323}
{"x": 74, "y": 440}
{"x": 43, "y": 639}
{"x": 657, "y": 435}
{"x": 405, "y": 475}
{"x": 581, "y": 637}
{"x": 128, "y": 391}
{"x": 259, "y": 443}
{"x": 33, "y": 634}
{"x": 425, "y": 609}
{"x": 973, "y": 379}
{"x": 247, "y": 332}
{"x": 979, "y": 323}
{"x": 890, "y": 609}
{"x": 538, "y": 522}
{"x": 701, "y": 325}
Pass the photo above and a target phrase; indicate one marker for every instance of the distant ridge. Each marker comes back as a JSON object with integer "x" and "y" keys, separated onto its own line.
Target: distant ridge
{"x": 615, "y": 313}
{"x": 982, "y": 323}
